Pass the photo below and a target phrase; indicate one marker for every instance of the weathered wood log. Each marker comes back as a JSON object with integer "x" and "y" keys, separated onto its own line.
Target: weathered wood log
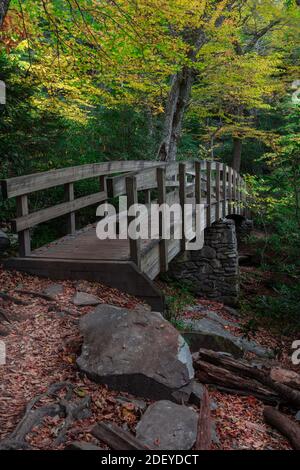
{"x": 82, "y": 445}
{"x": 285, "y": 377}
{"x": 210, "y": 374}
{"x": 204, "y": 437}
{"x": 247, "y": 370}
{"x": 116, "y": 438}
{"x": 284, "y": 425}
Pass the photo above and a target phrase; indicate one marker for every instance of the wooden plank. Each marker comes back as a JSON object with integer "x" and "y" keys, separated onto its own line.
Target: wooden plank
{"x": 35, "y": 218}
{"x": 218, "y": 189}
{"x": 229, "y": 190}
{"x": 24, "y": 235}
{"x": 148, "y": 197}
{"x": 208, "y": 193}
{"x": 116, "y": 438}
{"x": 69, "y": 196}
{"x": 35, "y": 182}
{"x": 132, "y": 198}
{"x": 198, "y": 182}
{"x": 182, "y": 199}
{"x": 161, "y": 199}
{"x": 224, "y": 190}
{"x": 234, "y": 189}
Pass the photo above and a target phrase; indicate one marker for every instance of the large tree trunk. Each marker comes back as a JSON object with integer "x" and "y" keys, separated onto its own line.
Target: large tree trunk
{"x": 177, "y": 102}
{"x": 4, "y": 4}
{"x": 237, "y": 154}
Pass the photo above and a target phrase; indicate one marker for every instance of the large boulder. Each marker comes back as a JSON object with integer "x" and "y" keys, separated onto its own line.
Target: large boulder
{"x": 167, "y": 426}
{"x": 4, "y": 242}
{"x": 136, "y": 351}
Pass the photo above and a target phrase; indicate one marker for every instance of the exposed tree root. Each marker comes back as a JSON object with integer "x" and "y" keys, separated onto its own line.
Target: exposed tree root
{"x": 63, "y": 407}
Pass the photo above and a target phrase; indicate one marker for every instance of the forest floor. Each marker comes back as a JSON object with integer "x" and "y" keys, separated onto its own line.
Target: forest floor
{"x": 42, "y": 343}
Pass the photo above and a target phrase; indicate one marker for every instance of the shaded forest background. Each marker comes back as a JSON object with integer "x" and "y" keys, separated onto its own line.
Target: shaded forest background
{"x": 96, "y": 81}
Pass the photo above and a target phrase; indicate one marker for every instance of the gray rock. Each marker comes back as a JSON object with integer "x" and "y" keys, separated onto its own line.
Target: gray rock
{"x": 82, "y": 299}
{"x": 139, "y": 404}
{"x": 4, "y": 242}
{"x": 297, "y": 416}
{"x": 53, "y": 290}
{"x": 136, "y": 351}
{"x": 210, "y": 334}
{"x": 81, "y": 445}
{"x": 196, "y": 394}
{"x": 167, "y": 426}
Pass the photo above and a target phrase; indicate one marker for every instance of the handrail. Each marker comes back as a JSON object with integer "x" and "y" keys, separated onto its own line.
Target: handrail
{"x": 213, "y": 183}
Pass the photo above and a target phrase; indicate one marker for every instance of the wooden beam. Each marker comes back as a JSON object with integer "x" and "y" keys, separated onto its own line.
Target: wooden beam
{"x": 161, "y": 199}
{"x": 218, "y": 193}
{"x": 36, "y": 182}
{"x": 229, "y": 190}
{"x": 38, "y": 217}
{"x": 132, "y": 198}
{"x": 69, "y": 196}
{"x": 24, "y": 235}
{"x": 182, "y": 199}
{"x": 224, "y": 190}
{"x": 208, "y": 194}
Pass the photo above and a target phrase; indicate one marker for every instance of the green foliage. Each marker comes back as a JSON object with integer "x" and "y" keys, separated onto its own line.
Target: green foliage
{"x": 278, "y": 312}
{"x": 178, "y": 297}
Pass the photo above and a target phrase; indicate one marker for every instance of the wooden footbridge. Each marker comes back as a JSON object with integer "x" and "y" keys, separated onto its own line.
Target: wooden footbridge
{"x": 130, "y": 265}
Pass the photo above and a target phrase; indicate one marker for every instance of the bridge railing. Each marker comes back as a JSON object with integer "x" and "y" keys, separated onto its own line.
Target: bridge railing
{"x": 213, "y": 184}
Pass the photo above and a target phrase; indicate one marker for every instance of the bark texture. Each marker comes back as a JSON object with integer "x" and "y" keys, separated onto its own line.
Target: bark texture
{"x": 4, "y": 4}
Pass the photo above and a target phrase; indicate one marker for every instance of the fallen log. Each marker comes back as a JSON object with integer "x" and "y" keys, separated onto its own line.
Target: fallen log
{"x": 249, "y": 371}
{"x": 10, "y": 298}
{"x": 284, "y": 425}
{"x": 116, "y": 438}
{"x": 210, "y": 374}
{"x": 32, "y": 293}
{"x": 82, "y": 445}
{"x": 285, "y": 377}
{"x": 204, "y": 437}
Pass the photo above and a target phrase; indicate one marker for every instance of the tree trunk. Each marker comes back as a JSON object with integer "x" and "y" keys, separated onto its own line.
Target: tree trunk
{"x": 204, "y": 438}
{"x": 177, "y": 102}
{"x": 4, "y": 4}
{"x": 237, "y": 154}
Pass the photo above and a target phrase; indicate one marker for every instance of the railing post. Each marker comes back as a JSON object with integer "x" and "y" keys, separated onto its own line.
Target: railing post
{"x": 161, "y": 199}
{"x": 182, "y": 199}
{"x": 218, "y": 193}
{"x": 69, "y": 196}
{"x": 147, "y": 196}
{"x": 229, "y": 190}
{"x": 208, "y": 194}
{"x": 102, "y": 183}
{"x": 197, "y": 182}
{"x": 132, "y": 198}
{"x": 224, "y": 190}
{"x": 235, "y": 191}
{"x": 238, "y": 195}
{"x": 24, "y": 236}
